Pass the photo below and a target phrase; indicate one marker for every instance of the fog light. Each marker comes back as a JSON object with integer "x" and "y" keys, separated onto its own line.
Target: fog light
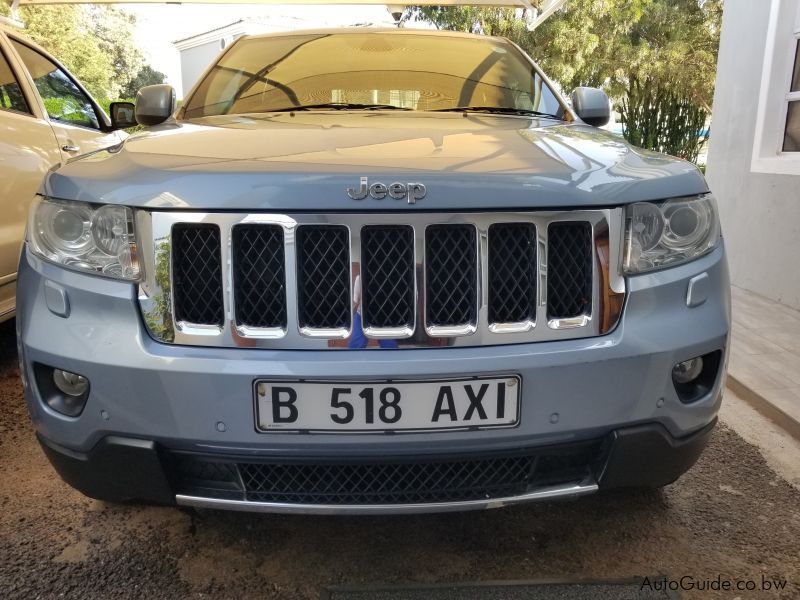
{"x": 688, "y": 370}
{"x": 63, "y": 391}
{"x": 71, "y": 384}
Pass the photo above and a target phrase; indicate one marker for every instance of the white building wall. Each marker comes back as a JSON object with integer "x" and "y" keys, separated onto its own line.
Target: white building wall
{"x": 760, "y": 211}
{"x": 194, "y": 62}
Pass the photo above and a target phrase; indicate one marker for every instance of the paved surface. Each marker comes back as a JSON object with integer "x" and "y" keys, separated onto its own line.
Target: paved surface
{"x": 764, "y": 366}
{"x": 509, "y": 591}
{"x": 731, "y": 517}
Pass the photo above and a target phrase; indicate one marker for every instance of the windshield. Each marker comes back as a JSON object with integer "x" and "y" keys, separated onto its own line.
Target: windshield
{"x": 412, "y": 71}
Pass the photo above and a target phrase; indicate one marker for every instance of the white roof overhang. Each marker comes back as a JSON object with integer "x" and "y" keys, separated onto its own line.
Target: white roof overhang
{"x": 535, "y": 16}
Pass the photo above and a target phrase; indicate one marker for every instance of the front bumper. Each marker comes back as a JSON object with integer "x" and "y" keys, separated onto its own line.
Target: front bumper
{"x": 121, "y": 469}
{"x": 196, "y": 399}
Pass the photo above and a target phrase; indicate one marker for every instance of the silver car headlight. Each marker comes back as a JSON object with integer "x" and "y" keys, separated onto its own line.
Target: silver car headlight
{"x": 668, "y": 233}
{"x": 85, "y": 237}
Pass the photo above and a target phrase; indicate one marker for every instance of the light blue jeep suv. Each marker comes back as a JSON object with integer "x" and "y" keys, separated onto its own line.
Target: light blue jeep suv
{"x": 368, "y": 271}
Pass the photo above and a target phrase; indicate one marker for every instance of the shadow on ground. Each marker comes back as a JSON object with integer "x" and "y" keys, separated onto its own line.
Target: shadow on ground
{"x": 729, "y": 516}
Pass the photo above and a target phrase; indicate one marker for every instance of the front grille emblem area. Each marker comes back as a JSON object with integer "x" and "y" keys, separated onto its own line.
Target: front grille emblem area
{"x": 397, "y": 191}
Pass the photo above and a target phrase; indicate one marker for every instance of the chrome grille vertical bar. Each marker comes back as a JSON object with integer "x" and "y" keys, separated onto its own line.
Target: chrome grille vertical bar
{"x": 483, "y": 279}
{"x": 542, "y": 256}
{"x": 227, "y": 275}
{"x": 290, "y": 256}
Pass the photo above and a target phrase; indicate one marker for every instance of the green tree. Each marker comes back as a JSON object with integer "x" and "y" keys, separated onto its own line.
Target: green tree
{"x": 147, "y": 75}
{"x": 64, "y": 31}
{"x": 113, "y": 29}
{"x": 662, "y": 51}
{"x": 94, "y": 42}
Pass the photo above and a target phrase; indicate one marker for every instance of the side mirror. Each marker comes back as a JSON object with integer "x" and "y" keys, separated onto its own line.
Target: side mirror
{"x": 122, "y": 115}
{"x": 591, "y": 105}
{"x": 154, "y": 104}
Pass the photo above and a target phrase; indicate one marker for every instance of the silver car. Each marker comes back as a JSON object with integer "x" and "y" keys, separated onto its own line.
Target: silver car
{"x": 46, "y": 118}
{"x": 372, "y": 271}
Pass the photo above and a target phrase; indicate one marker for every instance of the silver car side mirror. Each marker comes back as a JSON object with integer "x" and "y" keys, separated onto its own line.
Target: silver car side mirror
{"x": 154, "y": 104}
{"x": 122, "y": 115}
{"x": 591, "y": 105}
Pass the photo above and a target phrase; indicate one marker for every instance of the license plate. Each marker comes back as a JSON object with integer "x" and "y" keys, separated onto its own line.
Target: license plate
{"x": 387, "y": 405}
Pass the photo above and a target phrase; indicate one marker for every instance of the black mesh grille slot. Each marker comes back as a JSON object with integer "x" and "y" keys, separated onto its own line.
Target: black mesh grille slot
{"x": 323, "y": 276}
{"x": 197, "y": 273}
{"x": 259, "y": 277}
{"x": 569, "y": 269}
{"x": 393, "y": 481}
{"x": 451, "y": 275}
{"x": 512, "y": 272}
{"x": 387, "y": 276}
{"x": 386, "y": 483}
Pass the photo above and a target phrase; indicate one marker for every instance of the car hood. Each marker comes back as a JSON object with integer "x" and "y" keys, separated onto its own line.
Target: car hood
{"x": 307, "y": 161}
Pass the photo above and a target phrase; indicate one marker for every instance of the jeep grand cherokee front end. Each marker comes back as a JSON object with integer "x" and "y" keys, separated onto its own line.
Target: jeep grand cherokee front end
{"x": 369, "y": 271}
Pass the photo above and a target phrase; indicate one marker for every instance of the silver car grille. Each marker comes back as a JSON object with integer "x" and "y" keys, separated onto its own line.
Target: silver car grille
{"x": 426, "y": 280}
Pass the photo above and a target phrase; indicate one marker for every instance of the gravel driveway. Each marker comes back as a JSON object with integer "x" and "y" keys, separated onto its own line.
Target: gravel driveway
{"x": 731, "y": 516}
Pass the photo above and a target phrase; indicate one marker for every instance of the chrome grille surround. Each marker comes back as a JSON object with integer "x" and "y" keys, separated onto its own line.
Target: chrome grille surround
{"x": 156, "y": 297}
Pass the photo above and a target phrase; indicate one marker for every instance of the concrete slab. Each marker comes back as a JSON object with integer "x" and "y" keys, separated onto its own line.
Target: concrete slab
{"x": 764, "y": 365}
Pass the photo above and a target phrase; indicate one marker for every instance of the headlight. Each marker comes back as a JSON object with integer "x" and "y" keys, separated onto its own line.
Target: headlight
{"x": 662, "y": 234}
{"x": 96, "y": 239}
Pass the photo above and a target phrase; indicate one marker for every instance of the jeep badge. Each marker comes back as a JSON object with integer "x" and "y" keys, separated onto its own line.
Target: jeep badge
{"x": 397, "y": 191}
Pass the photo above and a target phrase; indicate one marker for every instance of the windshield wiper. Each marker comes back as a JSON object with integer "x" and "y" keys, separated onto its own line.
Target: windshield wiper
{"x": 501, "y": 110}
{"x": 339, "y": 106}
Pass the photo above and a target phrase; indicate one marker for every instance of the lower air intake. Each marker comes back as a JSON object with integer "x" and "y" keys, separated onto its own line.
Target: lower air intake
{"x": 388, "y": 482}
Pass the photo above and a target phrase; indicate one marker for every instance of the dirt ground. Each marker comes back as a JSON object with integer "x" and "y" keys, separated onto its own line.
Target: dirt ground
{"x": 730, "y": 517}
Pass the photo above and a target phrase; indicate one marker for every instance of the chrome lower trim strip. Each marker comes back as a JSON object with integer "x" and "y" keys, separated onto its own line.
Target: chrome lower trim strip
{"x": 520, "y": 327}
{"x": 549, "y": 493}
{"x": 333, "y": 333}
{"x": 267, "y": 333}
{"x": 197, "y": 328}
{"x": 384, "y": 333}
{"x": 451, "y": 330}
{"x": 570, "y": 322}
